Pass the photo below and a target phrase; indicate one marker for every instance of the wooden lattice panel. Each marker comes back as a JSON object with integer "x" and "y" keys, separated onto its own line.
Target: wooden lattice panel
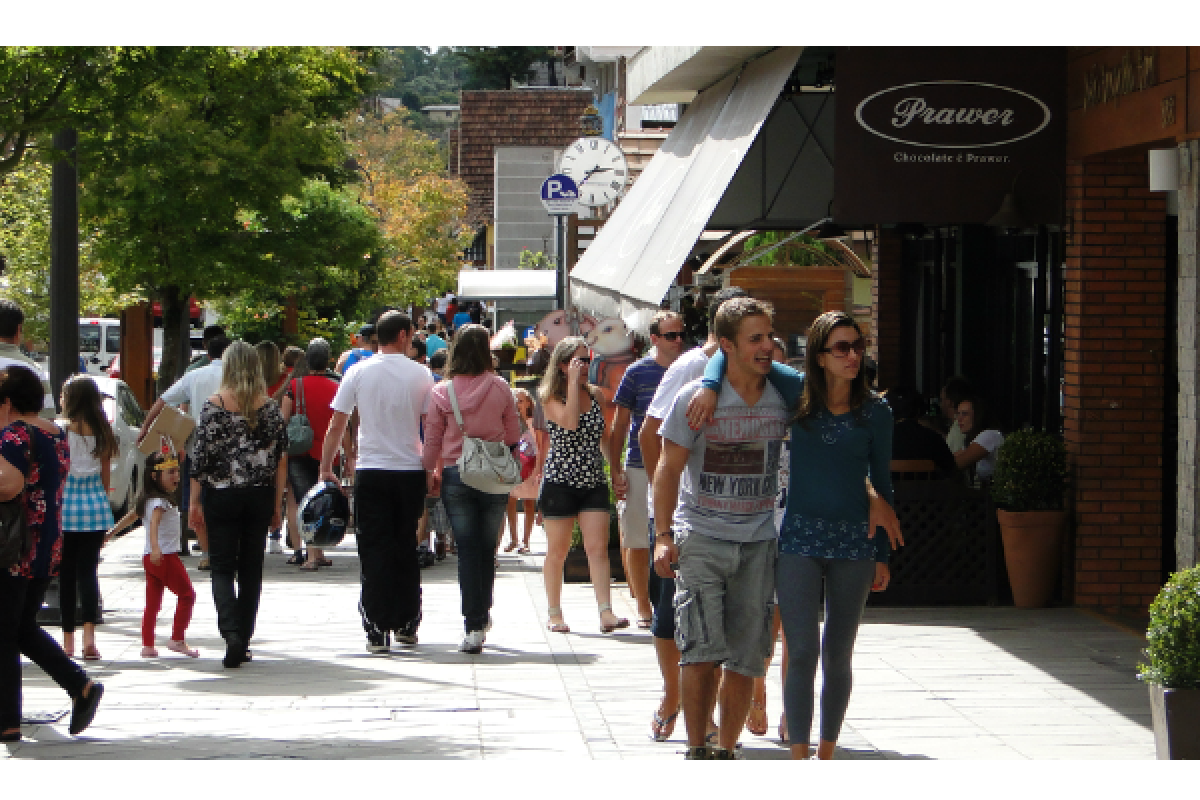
{"x": 951, "y": 550}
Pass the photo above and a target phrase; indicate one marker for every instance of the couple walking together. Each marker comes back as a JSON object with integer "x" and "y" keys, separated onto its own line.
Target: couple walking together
{"x": 714, "y": 493}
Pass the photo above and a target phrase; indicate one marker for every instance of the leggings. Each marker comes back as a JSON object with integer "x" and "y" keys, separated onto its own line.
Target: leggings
{"x": 80, "y": 562}
{"x": 170, "y": 574}
{"x": 798, "y": 582}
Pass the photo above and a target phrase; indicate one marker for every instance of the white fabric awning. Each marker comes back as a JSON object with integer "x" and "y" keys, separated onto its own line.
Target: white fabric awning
{"x": 506, "y": 284}
{"x": 635, "y": 257}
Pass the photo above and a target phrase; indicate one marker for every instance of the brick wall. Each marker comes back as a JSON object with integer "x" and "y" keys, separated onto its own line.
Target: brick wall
{"x": 1115, "y": 309}
{"x": 534, "y": 118}
{"x": 887, "y": 336}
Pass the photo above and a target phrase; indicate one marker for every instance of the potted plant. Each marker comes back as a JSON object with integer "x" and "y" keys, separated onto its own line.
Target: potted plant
{"x": 1028, "y": 489}
{"x": 1173, "y": 672}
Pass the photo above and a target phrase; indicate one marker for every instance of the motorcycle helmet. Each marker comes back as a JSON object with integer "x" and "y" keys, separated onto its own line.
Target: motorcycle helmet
{"x": 324, "y": 512}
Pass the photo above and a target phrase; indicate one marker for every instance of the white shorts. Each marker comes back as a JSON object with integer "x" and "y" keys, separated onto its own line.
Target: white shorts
{"x": 634, "y": 511}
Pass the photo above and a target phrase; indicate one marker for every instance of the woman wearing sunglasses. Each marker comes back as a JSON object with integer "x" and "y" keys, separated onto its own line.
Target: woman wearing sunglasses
{"x": 574, "y": 486}
{"x": 841, "y": 435}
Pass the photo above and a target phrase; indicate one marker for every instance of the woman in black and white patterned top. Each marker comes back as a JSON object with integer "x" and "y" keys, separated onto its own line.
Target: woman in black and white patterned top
{"x": 573, "y": 484}
{"x": 239, "y": 459}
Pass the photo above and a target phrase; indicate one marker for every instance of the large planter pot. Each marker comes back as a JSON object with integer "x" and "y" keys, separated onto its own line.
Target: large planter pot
{"x": 1032, "y": 553}
{"x": 1176, "y": 714}
{"x": 575, "y": 568}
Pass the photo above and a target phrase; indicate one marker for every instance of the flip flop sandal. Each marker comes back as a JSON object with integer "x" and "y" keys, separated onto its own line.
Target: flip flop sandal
{"x": 663, "y": 728}
{"x": 182, "y": 648}
{"x": 756, "y": 720}
{"x": 313, "y": 567}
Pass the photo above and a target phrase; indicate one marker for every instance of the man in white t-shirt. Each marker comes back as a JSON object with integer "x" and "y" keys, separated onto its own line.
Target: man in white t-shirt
{"x": 389, "y": 392}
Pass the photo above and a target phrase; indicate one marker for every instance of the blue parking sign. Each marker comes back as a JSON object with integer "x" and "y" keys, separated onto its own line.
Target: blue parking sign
{"x": 559, "y": 195}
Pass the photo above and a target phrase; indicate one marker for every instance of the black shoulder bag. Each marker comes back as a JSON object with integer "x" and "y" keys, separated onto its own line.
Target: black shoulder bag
{"x": 16, "y": 538}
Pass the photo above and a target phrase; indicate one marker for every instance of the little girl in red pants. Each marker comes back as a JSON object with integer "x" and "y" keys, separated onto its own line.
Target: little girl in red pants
{"x": 159, "y": 505}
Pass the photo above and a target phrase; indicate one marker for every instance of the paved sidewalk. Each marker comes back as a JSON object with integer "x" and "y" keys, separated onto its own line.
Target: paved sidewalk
{"x": 962, "y": 683}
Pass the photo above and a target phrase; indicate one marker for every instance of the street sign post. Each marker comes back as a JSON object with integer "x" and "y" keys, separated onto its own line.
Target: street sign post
{"x": 560, "y": 196}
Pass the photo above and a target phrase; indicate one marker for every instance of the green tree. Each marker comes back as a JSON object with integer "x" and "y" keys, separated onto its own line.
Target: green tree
{"x": 43, "y": 89}
{"x": 185, "y": 185}
{"x": 25, "y": 244}
{"x": 499, "y": 67}
{"x": 329, "y": 248}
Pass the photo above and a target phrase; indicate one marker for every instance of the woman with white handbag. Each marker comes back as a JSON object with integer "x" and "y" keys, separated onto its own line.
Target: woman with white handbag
{"x": 471, "y": 429}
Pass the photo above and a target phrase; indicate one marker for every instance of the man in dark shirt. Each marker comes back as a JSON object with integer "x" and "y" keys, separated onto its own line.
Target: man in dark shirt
{"x": 913, "y": 441}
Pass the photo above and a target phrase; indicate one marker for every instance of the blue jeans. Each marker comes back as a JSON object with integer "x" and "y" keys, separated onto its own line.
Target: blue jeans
{"x": 475, "y": 519}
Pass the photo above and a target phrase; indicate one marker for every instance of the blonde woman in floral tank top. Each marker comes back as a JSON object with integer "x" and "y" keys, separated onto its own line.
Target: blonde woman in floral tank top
{"x": 574, "y": 487}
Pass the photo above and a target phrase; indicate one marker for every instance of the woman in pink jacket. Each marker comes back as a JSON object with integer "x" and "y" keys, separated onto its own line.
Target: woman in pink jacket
{"x": 476, "y": 517}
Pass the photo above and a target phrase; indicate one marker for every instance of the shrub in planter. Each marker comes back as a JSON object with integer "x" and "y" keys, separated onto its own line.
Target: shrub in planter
{"x": 1031, "y": 472}
{"x": 1028, "y": 488}
{"x": 1172, "y": 671}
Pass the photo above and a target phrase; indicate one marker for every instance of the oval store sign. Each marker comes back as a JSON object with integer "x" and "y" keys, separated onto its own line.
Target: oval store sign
{"x": 952, "y": 114}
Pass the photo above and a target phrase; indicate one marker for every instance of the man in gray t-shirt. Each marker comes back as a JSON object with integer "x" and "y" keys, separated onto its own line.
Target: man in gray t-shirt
{"x": 714, "y": 494}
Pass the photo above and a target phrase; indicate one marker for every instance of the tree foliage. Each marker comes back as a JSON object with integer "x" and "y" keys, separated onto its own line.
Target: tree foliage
{"x": 501, "y": 67}
{"x": 25, "y": 243}
{"x": 419, "y": 208}
{"x": 43, "y": 89}
{"x": 226, "y": 137}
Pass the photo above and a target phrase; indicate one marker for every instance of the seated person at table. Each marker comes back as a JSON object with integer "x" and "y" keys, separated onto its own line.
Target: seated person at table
{"x": 978, "y": 456}
{"x": 912, "y": 441}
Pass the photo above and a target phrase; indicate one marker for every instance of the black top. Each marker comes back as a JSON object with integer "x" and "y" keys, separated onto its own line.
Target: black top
{"x": 913, "y": 441}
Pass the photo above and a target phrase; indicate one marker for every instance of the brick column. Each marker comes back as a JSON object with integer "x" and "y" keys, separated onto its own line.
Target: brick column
{"x": 1187, "y": 548}
{"x": 887, "y": 336}
{"x": 1115, "y": 336}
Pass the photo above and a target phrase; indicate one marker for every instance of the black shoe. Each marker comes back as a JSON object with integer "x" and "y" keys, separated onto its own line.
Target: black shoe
{"x": 698, "y": 753}
{"x": 84, "y": 709}
{"x": 9, "y": 738}
{"x": 235, "y": 651}
{"x": 378, "y": 642}
{"x": 425, "y": 557}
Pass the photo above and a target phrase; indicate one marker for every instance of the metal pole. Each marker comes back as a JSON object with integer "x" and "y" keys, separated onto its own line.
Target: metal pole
{"x": 64, "y": 262}
{"x": 561, "y": 246}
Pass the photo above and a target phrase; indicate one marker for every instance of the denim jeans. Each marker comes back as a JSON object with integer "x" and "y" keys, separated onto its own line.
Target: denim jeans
{"x": 475, "y": 518}
{"x": 237, "y": 521}
{"x": 20, "y": 601}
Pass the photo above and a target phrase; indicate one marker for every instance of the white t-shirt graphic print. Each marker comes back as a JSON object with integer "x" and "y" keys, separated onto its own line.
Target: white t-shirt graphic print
{"x": 729, "y": 486}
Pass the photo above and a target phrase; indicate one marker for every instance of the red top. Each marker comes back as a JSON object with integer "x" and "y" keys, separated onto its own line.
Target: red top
{"x": 318, "y": 394}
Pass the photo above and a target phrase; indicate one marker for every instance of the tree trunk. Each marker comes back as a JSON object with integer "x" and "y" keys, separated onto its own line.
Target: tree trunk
{"x": 174, "y": 308}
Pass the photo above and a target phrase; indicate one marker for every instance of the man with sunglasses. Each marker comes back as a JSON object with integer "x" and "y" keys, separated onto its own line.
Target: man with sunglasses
{"x": 633, "y": 397}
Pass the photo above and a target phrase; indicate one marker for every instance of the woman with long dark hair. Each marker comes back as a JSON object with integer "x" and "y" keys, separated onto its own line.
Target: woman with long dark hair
{"x": 841, "y": 436}
{"x": 34, "y": 460}
{"x": 238, "y": 455}
{"x": 981, "y": 443}
{"x": 86, "y": 514}
{"x": 486, "y": 407}
{"x": 574, "y": 487}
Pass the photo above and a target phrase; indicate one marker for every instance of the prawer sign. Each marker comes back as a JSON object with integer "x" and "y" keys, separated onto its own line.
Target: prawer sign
{"x": 952, "y": 114}
{"x": 559, "y": 195}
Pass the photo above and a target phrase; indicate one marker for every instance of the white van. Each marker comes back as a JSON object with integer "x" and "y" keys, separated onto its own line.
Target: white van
{"x": 99, "y": 342}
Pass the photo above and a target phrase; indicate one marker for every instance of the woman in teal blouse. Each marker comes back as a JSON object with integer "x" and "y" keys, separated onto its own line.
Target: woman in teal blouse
{"x": 841, "y": 437}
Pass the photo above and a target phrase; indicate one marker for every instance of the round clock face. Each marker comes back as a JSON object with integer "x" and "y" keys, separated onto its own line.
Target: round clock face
{"x": 598, "y": 168}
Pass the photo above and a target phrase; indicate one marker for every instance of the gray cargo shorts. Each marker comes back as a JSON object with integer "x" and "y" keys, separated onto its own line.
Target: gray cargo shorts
{"x": 724, "y": 594}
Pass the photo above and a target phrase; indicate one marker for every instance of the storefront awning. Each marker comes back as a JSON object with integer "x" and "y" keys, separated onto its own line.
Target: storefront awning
{"x": 635, "y": 257}
{"x": 506, "y": 284}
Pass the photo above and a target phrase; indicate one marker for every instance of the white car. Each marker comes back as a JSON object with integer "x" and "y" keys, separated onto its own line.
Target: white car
{"x": 125, "y": 415}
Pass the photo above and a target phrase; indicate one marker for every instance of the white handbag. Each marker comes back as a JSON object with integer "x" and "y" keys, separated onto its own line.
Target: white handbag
{"x": 486, "y": 466}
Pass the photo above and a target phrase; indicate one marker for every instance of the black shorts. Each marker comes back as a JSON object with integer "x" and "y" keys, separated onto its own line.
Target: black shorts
{"x": 560, "y": 501}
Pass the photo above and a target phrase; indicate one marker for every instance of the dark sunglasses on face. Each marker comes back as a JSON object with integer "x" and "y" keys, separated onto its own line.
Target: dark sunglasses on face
{"x": 671, "y": 336}
{"x": 842, "y": 349}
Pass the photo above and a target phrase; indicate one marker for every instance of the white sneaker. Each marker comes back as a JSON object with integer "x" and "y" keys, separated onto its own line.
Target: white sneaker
{"x": 472, "y": 643}
{"x": 275, "y": 548}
